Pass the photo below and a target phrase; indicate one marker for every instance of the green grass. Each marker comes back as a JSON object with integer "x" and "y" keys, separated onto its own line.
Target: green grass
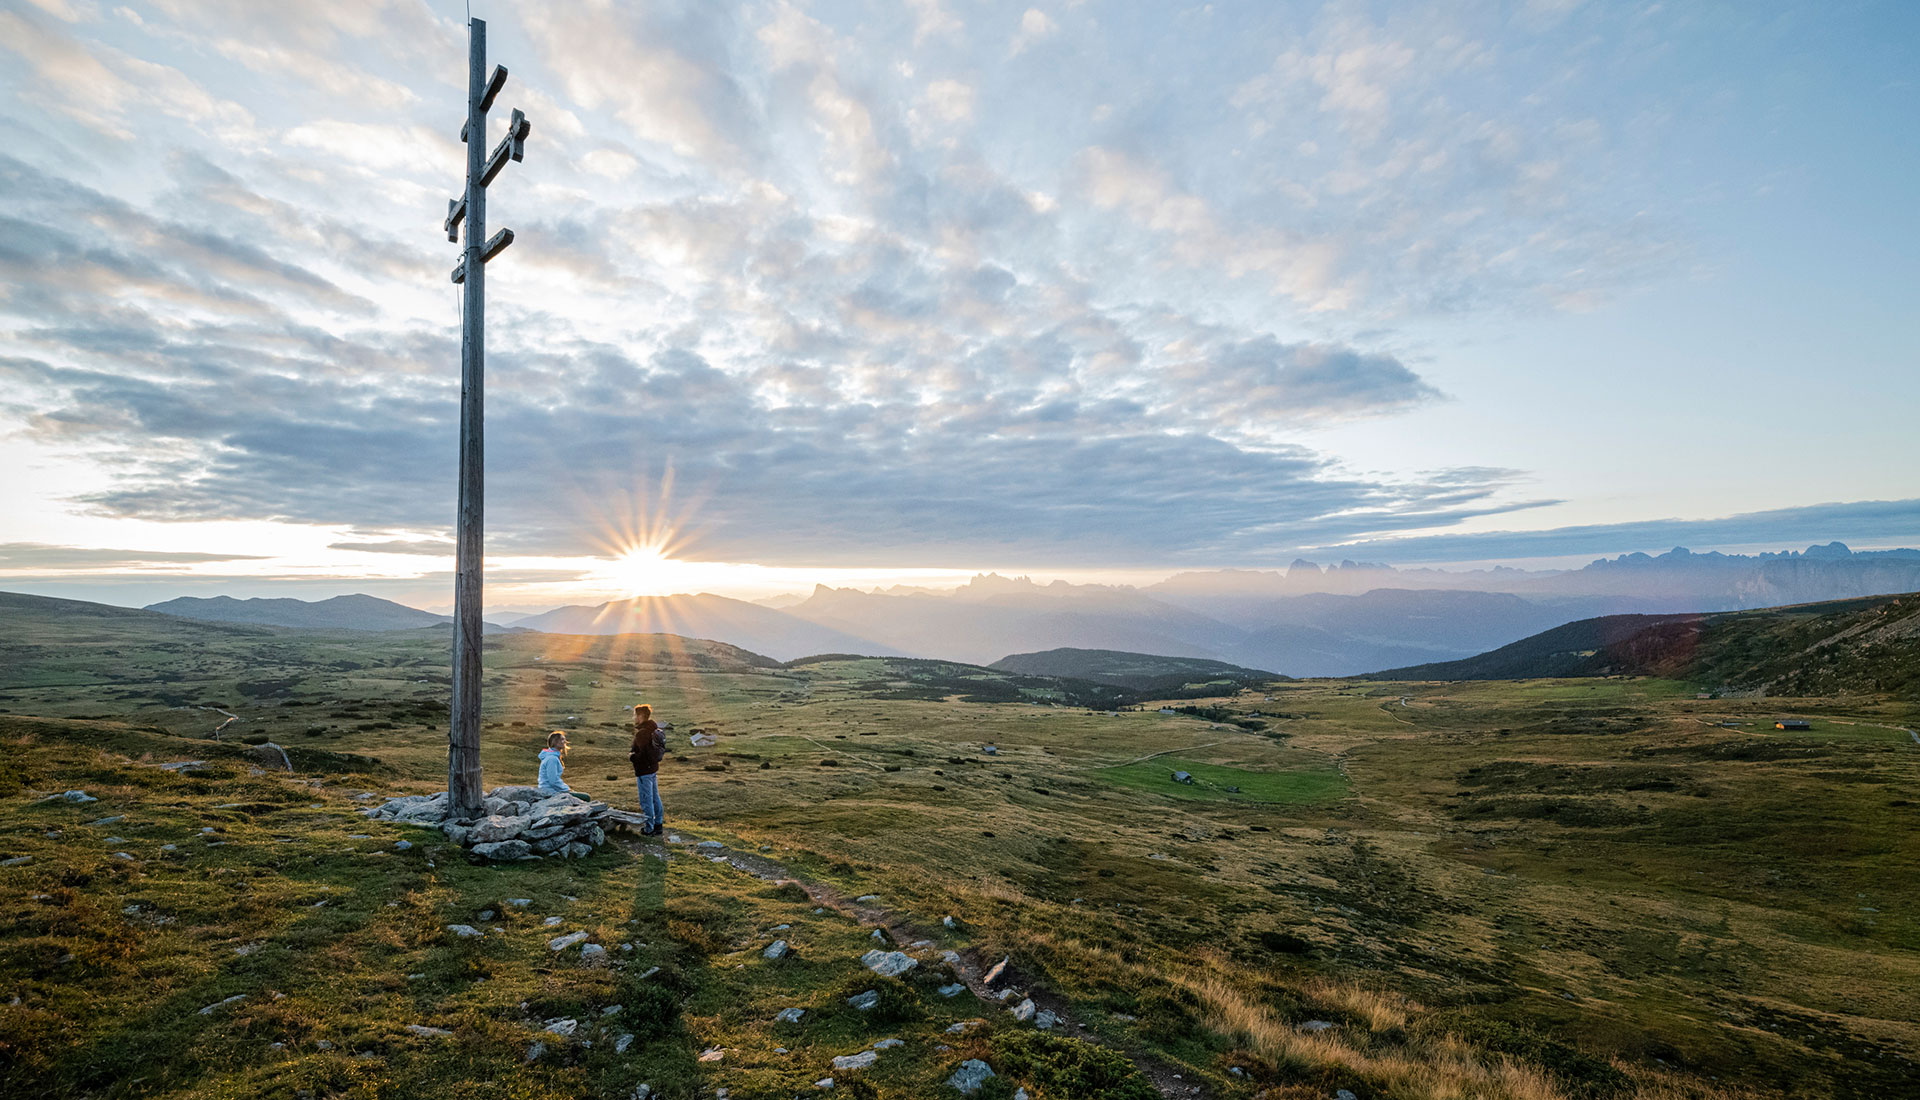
{"x": 1217, "y": 782}
{"x": 1571, "y": 874}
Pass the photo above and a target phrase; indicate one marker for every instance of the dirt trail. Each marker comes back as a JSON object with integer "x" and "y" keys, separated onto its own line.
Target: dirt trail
{"x": 971, "y": 966}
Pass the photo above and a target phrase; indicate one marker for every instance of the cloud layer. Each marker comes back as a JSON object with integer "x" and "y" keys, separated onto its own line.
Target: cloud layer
{"x": 847, "y": 275}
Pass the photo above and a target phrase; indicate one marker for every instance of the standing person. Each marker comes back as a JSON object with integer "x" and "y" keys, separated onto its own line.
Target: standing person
{"x": 552, "y": 764}
{"x": 649, "y": 745}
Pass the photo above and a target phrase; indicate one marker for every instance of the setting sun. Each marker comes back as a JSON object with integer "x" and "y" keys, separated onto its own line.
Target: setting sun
{"x": 645, "y": 571}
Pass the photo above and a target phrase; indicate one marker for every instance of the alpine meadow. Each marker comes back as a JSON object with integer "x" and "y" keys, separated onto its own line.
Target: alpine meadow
{"x": 959, "y": 550}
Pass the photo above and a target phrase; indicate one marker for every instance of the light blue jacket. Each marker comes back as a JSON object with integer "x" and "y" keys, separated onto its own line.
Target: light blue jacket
{"x": 550, "y": 769}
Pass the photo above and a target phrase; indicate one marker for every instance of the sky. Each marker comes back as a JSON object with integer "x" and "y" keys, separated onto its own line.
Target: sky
{"x": 896, "y": 292}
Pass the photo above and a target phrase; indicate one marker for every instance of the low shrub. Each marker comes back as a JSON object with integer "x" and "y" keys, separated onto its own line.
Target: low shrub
{"x": 1063, "y": 1068}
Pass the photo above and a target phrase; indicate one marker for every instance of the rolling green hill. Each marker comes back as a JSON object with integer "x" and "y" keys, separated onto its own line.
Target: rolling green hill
{"x": 1864, "y": 646}
{"x": 1141, "y": 672}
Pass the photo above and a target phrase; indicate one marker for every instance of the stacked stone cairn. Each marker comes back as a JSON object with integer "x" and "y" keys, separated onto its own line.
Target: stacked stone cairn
{"x": 518, "y": 823}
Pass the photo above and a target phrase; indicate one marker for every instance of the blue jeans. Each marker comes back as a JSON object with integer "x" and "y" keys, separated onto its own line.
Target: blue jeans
{"x": 650, "y": 807}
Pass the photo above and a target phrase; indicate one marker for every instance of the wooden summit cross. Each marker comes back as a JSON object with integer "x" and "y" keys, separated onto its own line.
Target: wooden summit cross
{"x": 463, "y": 737}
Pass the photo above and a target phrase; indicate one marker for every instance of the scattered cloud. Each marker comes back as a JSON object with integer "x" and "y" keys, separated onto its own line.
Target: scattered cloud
{"x": 40, "y": 556}
{"x": 894, "y": 294}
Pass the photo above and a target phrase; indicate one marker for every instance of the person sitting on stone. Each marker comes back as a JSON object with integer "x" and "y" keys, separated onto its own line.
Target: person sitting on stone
{"x": 552, "y": 764}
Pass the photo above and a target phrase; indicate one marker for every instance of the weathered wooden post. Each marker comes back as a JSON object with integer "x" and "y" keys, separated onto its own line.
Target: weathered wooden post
{"x": 463, "y": 747}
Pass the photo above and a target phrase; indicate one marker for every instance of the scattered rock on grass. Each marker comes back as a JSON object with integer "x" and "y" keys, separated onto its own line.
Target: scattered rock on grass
{"x": 999, "y": 968}
{"x": 621, "y": 1044}
{"x": 888, "y": 964}
{"x": 561, "y": 943}
{"x": 464, "y": 931}
{"x": 855, "y": 1061}
{"x": 775, "y": 950}
{"x": 593, "y": 954}
{"x": 1023, "y": 1011}
{"x": 1316, "y": 1025}
{"x": 562, "y": 1027}
{"x": 789, "y": 1015}
{"x": 210, "y": 1009}
{"x": 426, "y": 1032}
{"x": 712, "y": 1054}
{"x": 970, "y": 1076}
{"x": 865, "y": 1001}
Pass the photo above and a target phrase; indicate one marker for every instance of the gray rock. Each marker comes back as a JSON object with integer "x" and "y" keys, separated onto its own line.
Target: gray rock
{"x": 503, "y": 852}
{"x": 709, "y": 844}
{"x": 775, "y": 950}
{"x": 16, "y": 861}
{"x": 889, "y": 1044}
{"x": 953, "y": 990}
{"x": 946, "y": 922}
{"x": 1316, "y": 1025}
{"x": 865, "y": 1001}
{"x": 522, "y": 795}
{"x": 486, "y": 914}
{"x": 426, "y": 1032}
{"x": 494, "y": 828}
{"x": 551, "y": 922}
{"x": 970, "y": 1076}
{"x": 562, "y": 810}
{"x": 535, "y": 1051}
{"x": 215, "y": 1006}
{"x": 578, "y": 850}
{"x": 464, "y": 931}
{"x": 621, "y": 1044}
{"x": 561, "y": 943}
{"x": 888, "y": 964}
{"x": 457, "y": 831}
{"x": 593, "y": 954}
{"x": 823, "y": 1083}
{"x": 1345, "y": 1094}
{"x": 1045, "y": 1020}
{"x": 999, "y": 968}
{"x": 1023, "y": 1011}
{"x": 519, "y": 903}
{"x": 562, "y": 1027}
{"x": 855, "y": 1061}
{"x": 789, "y": 1015}
{"x": 79, "y": 796}
{"x": 596, "y": 836}
{"x": 402, "y": 845}
{"x": 964, "y": 1026}
{"x": 109, "y": 820}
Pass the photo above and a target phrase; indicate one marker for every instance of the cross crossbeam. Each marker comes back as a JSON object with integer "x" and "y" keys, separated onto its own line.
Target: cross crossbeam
{"x": 470, "y": 211}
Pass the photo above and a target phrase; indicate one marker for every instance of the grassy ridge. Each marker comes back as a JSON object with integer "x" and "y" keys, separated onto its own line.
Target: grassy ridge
{"x": 1861, "y": 646}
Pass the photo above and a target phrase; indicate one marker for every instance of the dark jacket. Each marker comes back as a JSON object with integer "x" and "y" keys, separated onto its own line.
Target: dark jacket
{"x": 649, "y": 746}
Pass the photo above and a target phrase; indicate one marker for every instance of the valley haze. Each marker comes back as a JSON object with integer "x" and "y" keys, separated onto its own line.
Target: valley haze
{"x": 1309, "y": 620}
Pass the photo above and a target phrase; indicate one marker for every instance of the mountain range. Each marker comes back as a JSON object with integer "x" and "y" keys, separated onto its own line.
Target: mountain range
{"x": 1306, "y": 620}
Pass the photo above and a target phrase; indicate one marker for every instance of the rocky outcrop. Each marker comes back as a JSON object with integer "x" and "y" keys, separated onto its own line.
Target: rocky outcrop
{"x": 519, "y": 823}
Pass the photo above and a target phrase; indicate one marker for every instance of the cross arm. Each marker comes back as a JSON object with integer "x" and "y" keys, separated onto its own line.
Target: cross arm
{"x": 513, "y": 146}
{"x": 494, "y": 83}
{"x": 456, "y": 213}
{"x": 495, "y": 245}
